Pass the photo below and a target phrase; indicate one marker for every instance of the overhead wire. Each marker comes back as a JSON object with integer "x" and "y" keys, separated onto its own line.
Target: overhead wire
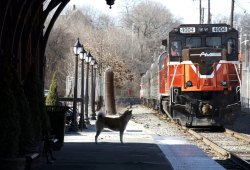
{"x": 240, "y": 5}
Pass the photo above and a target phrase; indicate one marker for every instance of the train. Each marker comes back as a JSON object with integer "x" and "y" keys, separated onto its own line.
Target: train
{"x": 196, "y": 81}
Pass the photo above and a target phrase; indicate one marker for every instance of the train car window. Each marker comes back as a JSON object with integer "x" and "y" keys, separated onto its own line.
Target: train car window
{"x": 213, "y": 41}
{"x": 193, "y": 42}
{"x": 161, "y": 61}
{"x": 231, "y": 46}
{"x": 175, "y": 48}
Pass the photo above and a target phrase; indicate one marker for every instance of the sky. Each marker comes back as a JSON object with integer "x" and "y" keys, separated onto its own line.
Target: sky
{"x": 188, "y": 10}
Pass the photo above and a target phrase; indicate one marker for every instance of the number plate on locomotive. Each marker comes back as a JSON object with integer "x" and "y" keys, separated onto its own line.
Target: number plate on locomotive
{"x": 186, "y": 30}
{"x": 219, "y": 29}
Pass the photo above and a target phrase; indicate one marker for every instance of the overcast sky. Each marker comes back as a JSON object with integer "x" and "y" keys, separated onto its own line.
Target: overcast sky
{"x": 188, "y": 10}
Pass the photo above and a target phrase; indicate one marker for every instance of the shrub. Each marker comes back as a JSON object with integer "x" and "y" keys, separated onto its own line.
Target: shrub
{"x": 52, "y": 98}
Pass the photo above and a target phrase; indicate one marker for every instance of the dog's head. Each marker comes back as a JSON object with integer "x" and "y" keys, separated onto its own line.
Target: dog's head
{"x": 128, "y": 114}
{"x": 101, "y": 114}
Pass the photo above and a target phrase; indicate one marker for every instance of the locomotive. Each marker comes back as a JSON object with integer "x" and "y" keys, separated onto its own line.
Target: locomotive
{"x": 196, "y": 81}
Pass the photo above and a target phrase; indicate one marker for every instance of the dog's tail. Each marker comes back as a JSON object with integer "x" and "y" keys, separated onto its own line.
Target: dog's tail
{"x": 100, "y": 115}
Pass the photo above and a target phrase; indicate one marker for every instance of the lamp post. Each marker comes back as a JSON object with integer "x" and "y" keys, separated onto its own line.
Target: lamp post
{"x": 77, "y": 49}
{"x": 87, "y": 60}
{"x": 82, "y": 123}
{"x": 93, "y": 64}
{"x": 95, "y": 68}
{"x": 100, "y": 83}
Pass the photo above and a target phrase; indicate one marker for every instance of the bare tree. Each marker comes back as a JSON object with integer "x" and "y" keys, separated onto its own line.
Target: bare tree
{"x": 150, "y": 23}
{"x": 127, "y": 48}
{"x": 56, "y": 56}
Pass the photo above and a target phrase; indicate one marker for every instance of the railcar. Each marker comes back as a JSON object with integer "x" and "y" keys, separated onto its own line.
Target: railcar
{"x": 199, "y": 77}
{"x": 154, "y": 85}
{"x": 145, "y": 88}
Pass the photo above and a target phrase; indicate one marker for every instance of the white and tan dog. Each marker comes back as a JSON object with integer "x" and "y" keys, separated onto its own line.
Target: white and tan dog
{"x": 116, "y": 124}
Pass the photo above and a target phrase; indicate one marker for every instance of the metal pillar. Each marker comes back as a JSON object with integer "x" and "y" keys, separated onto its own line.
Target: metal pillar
{"x": 87, "y": 90}
{"x": 74, "y": 122}
{"x": 82, "y": 122}
{"x": 93, "y": 115}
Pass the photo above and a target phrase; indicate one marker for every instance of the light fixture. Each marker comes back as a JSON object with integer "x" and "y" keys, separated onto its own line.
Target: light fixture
{"x": 110, "y": 3}
{"x": 223, "y": 83}
{"x": 189, "y": 83}
{"x": 88, "y": 57}
{"x": 201, "y": 29}
{"x": 78, "y": 47}
{"x": 92, "y": 62}
{"x": 83, "y": 54}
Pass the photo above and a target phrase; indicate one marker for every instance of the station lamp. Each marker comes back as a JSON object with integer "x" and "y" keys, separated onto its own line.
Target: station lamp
{"x": 87, "y": 60}
{"x": 82, "y": 57}
{"x": 110, "y": 3}
{"x": 77, "y": 48}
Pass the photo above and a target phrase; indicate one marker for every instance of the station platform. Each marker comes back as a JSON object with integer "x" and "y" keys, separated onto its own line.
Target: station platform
{"x": 142, "y": 150}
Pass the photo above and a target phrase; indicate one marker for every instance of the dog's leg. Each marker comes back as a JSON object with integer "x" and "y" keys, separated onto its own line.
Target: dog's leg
{"x": 98, "y": 131}
{"x": 121, "y": 136}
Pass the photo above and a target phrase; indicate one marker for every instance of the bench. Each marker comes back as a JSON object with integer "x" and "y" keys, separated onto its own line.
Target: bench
{"x": 54, "y": 140}
{"x": 49, "y": 144}
{"x": 31, "y": 158}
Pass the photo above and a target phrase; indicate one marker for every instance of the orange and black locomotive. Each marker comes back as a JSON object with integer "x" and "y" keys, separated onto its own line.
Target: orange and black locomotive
{"x": 198, "y": 76}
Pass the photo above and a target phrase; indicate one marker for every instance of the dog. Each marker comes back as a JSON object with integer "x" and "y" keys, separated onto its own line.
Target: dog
{"x": 116, "y": 124}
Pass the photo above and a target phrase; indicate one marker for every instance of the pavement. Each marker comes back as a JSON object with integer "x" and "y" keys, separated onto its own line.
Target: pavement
{"x": 139, "y": 151}
{"x": 142, "y": 150}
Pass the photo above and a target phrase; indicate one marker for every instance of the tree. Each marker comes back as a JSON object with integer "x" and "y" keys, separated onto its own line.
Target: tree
{"x": 244, "y": 26}
{"x": 150, "y": 23}
{"x": 126, "y": 46}
{"x": 52, "y": 98}
{"x": 58, "y": 54}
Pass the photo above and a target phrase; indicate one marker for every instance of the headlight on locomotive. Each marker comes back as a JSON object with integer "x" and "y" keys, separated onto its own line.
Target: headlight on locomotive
{"x": 189, "y": 83}
{"x": 223, "y": 83}
{"x": 176, "y": 29}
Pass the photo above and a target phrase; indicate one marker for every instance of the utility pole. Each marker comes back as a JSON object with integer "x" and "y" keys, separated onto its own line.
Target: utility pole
{"x": 232, "y": 14}
{"x": 200, "y": 13}
{"x": 208, "y": 17}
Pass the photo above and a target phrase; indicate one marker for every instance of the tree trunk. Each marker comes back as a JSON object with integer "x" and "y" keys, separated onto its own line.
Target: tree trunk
{"x": 109, "y": 96}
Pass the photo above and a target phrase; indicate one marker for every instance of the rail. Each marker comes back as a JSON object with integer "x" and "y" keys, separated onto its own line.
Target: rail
{"x": 233, "y": 157}
{"x": 171, "y": 89}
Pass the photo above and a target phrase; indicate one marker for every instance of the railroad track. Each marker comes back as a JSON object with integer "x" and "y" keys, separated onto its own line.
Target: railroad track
{"x": 228, "y": 148}
{"x": 234, "y": 147}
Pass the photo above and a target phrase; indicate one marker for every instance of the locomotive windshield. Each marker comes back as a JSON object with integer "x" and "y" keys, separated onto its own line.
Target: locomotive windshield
{"x": 193, "y": 42}
{"x": 213, "y": 41}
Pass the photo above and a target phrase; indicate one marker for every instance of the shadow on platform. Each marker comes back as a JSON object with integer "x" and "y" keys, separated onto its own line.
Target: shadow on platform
{"x": 111, "y": 156}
